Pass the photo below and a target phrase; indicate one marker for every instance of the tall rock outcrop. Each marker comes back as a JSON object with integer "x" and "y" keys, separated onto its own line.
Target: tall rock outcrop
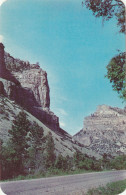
{"x": 2, "y": 62}
{"x": 27, "y": 85}
{"x": 32, "y": 77}
{"x": 104, "y": 131}
{"x": 36, "y": 80}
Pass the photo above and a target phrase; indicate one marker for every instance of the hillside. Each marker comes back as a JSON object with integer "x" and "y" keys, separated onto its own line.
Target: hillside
{"x": 104, "y": 131}
{"x": 63, "y": 143}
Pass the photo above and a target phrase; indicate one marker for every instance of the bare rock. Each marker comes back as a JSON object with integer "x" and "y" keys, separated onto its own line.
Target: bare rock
{"x": 27, "y": 85}
{"x": 36, "y": 81}
{"x": 106, "y": 130}
{"x": 1, "y": 88}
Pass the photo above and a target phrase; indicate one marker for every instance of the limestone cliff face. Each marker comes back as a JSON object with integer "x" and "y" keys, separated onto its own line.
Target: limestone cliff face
{"x": 36, "y": 80}
{"x": 105, "y": 131}
{"x": 31, "y": 77}
{"x": 27, "y": 85}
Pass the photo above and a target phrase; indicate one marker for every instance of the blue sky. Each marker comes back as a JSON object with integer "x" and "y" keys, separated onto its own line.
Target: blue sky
{"x": 71, "y": 45}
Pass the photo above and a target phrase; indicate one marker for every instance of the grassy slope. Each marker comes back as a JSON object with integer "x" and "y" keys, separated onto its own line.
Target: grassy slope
{"x": 110, "y": 189}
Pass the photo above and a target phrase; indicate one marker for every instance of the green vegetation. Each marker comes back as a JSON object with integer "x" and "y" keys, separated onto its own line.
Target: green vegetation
{"x": 110, "y": 189}
{"x": 49, "y": 173}
{"x": 18, "y": 142}
{"x": 15, "y": 152}
{"x": 107, "y": 10}
{"x": 83, "y": 161}
{"x": 36, "y": 141}
{"x": 21, "y": 150}
{"x": 49, "y": 152}
{"x": 116, "y": 74}
{"x": 30, "y": 154}
{"x": 118, "y": 163}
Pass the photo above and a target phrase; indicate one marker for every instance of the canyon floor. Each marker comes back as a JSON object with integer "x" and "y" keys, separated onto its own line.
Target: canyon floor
{"x": 62, "y": 185}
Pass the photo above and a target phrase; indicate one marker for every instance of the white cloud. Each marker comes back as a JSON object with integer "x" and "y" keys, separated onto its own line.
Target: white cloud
{"x": 2, "y": 1}
{"x": 62, "y": 112}
{"x": 1, "y": 38}
{"x": 62, "y": 124}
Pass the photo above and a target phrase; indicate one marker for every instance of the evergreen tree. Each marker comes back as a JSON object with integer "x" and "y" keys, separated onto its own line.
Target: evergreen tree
{"x": 50, "y": 151}
{"x": 36, "y": 136}
{"x": 37, "y": 140}
{"x": 60, "y": 162}
{"x": 8, "y": 162}
{"x": 78, "y": 156}
{"x": 19, "y": 141}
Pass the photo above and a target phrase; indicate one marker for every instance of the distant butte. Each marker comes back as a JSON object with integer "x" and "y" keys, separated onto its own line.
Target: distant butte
{"x": 104, "y": 131}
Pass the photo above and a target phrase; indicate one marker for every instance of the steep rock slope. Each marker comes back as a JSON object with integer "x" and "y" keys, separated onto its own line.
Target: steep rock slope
{"x": 27, "y": 85}
{"x": 104, "y": 131}
{"x": 30, "y": 76}
{"x": 63, "y": 141}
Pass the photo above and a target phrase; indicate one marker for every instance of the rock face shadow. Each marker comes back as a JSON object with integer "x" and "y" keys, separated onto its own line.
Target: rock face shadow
{"x": 4, "y": 72}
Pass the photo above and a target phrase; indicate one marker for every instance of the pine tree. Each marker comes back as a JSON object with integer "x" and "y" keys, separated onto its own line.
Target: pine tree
{"x": 50, "y": 151}
{"x": 36, "y": 136}
{"x": 19, "y": 141}
{"x": 37, "y": 141}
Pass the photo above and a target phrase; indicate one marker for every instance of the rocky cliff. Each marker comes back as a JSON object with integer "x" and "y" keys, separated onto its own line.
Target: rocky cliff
{"x": 63, "y": 141}
{"x": 104, "y": 131}
{"x": 24, "y": 86}
{"x": 30, "y": 76}
{"x": 27, "y": 85}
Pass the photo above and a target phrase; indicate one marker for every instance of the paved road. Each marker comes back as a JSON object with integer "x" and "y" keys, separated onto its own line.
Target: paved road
{"x": 63, "y": 185}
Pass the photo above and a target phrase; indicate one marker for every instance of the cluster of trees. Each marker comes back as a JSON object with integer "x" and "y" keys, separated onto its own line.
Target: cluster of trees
{"x": 25, "y": 147}
{"x": 118, "y": 162}
{"x": 28, "y": 151}
{"x": 78, "y": 161}
{"x": 116, "y": 69}
{"x": 108, "y": 9}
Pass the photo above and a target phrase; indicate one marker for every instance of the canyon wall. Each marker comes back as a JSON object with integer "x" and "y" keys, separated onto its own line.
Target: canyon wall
{"x": 104, "y": 131}
{"x": 27, "y": 85}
